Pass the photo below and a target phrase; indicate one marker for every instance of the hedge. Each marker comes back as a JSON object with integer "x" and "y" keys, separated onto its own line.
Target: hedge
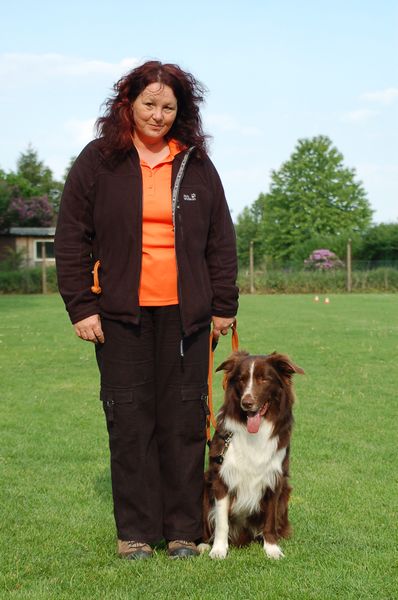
{"x": 27, "y": 281}
{"x": 383, "y": 279}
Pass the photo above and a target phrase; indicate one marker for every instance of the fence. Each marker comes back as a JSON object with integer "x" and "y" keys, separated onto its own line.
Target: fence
{"x": 351, "y": 276}
{"x": 363, "y": 276}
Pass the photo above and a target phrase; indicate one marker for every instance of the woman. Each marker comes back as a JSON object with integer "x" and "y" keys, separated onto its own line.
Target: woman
{"x": 145, "y": 200}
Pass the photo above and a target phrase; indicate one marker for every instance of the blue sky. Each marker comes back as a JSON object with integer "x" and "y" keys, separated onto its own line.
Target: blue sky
{"x": 276, "y": 71}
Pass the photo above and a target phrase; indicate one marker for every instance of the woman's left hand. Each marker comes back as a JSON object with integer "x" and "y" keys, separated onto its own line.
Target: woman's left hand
{"x": 221, "y": 325}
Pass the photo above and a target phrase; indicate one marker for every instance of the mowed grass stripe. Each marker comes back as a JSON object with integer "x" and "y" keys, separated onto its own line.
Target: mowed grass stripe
{"x": 57, "y": 525}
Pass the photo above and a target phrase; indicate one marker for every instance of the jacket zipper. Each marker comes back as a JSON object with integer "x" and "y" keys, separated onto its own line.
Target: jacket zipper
{"x": 174, "y": 207}
{"x": 140, "y": 218}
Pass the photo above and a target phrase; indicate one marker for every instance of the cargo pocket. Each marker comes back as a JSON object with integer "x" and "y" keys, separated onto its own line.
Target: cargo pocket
{"x": 120, "y": 412}
{"x": 194, "y": 412}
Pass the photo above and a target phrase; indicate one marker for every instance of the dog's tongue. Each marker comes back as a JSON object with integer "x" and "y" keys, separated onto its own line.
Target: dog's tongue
{"x": 253, "y": 423}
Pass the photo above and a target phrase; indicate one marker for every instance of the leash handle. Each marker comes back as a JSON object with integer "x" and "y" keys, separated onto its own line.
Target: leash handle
{"x": 235, "y": 338}
{"x": 211, "y": 421}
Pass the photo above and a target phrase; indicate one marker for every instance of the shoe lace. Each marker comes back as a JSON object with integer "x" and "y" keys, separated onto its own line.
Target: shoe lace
{"x": 136, "y": 545}
{"x": 183, "y": 542}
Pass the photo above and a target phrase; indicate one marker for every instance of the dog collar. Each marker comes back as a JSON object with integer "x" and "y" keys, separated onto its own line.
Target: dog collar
{"x": 219, "y": 459}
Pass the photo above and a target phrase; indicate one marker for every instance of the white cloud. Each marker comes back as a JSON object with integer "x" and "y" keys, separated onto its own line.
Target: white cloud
{"x": 379, "y": 98}
{"x": 360, "y": 115}
{"x": 225, "y": 122}
{"x": 18, "y": 69}
{"x": 81, "y": 131}
{"x": 385, "y": 97}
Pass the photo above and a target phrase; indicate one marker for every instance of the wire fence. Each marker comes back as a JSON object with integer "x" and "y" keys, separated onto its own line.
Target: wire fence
{"x": 359, "y": 276}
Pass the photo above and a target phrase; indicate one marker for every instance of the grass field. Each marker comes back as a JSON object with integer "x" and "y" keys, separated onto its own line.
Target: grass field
{"x": 57, "y": 531}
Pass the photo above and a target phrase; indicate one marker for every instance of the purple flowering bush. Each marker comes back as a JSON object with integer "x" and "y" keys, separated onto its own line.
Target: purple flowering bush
{"x": 323, "y": 260}
{"x": 30, "y": 212}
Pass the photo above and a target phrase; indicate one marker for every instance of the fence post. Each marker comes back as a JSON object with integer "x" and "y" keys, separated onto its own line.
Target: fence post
{"x": 251, "y": 263}
{"x": 43, "y": 269}
{"x": 349, "y": 267}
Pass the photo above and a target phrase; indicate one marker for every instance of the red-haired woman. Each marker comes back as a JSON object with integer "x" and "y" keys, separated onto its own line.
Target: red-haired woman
{"x": 145, "y": 201}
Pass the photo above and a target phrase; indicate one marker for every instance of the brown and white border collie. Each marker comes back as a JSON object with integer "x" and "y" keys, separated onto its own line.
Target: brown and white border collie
{"x": 246, "y": 487}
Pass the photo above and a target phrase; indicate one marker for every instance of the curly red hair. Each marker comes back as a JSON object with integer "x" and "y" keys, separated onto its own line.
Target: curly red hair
{"x": 116, "y": 126}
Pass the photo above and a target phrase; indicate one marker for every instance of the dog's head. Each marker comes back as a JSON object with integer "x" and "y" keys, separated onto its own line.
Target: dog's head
{"x": 258, "y": 386}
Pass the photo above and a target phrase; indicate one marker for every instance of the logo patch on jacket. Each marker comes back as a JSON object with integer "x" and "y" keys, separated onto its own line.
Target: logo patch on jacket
{"x": 190, "y": 197}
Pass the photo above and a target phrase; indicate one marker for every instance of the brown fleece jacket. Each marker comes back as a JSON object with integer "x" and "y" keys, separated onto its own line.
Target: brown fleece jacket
{"x": 100, "y": 218}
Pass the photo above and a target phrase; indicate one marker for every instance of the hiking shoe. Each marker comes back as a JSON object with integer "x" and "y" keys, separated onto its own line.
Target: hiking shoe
{"x": 134, "y": 550}
{"x": 182, "y": 549}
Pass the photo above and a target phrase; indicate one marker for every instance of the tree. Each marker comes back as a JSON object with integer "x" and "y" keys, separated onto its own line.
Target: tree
{"x": 5, "y": 195}
{"x": 32, "y": 169}
{"x": 30, "y": 195}
{"x": 248, "y": 229}
{"x": 313, "y": 194}
{"x": 11, "y": 186}
{"x": 33, "y": 212}
{"x": 380, "y": 242}
{"x": 40, "y": 178}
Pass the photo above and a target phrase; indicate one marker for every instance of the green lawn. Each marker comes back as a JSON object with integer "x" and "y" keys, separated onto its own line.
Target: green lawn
{"x": 57, "y": 531}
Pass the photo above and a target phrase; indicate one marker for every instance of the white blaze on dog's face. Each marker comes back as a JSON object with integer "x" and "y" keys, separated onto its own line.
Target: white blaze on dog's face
{"x": 255, "y": 382}
{"x": 247, "y": 392}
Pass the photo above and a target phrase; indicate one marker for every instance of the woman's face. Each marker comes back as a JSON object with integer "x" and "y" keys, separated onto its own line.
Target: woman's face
{"x": 154, "y": 112}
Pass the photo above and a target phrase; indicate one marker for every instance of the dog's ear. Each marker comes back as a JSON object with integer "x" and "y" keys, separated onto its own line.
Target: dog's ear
{"x": 229, "y": 365}
{"x": 284, "y": 365}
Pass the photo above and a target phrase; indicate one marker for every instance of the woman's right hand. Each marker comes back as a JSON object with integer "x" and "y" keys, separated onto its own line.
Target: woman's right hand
{"x": 90, "y": 329}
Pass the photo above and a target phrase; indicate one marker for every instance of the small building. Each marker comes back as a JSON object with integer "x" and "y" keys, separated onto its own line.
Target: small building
{"x": 33, "y": 242}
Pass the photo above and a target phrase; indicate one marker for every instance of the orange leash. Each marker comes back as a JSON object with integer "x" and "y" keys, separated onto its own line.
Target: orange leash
{"x": 211, "y": 421}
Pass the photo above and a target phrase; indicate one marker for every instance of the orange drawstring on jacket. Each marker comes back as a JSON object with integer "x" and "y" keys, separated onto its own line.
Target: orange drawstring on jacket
{"x": 96, "y": 289}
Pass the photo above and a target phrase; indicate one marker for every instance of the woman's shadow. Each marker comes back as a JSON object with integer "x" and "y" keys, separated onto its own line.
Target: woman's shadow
{"x": 103, "y": 486}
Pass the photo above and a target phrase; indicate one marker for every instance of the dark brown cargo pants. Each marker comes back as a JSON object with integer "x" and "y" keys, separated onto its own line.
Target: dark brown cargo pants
{"x": 154, "y": 395}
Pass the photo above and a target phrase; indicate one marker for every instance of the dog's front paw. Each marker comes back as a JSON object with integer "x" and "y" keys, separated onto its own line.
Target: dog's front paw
{"x": 218, "y": 551}
{"x": 273, "y": 551}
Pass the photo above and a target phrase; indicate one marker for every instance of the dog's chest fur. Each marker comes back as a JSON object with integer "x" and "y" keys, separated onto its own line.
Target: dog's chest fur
{"x": 251, "y": 464}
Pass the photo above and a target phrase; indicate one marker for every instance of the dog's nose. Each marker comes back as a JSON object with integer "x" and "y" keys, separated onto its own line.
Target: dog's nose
{"x": 247, "y": 403}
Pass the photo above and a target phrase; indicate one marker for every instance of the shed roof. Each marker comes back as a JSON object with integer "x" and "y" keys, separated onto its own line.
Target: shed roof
{"x": 32, "y": 231}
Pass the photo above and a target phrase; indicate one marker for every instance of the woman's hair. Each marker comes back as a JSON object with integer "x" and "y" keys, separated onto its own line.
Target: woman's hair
{"x": 117, "y": 124}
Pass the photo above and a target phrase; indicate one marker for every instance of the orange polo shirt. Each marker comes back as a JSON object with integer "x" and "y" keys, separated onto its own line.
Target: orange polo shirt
{"x": 158, "y": 285}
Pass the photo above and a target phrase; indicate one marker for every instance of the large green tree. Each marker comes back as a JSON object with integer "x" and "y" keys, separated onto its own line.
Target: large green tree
{"x": 313, "y": 194}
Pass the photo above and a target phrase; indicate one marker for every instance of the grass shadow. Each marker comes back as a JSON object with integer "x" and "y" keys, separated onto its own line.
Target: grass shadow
{"x": 102, "y": 485}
